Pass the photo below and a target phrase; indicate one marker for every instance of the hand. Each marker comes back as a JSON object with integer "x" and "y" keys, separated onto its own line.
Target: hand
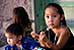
{"x": 35, "y": 35}
{"x": 43, "y": 37}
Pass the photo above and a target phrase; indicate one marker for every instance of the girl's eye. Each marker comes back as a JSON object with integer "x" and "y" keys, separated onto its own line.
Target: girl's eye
{"x": 54, "y": 16}
{"x": 51, "y": 16}
{"x": 47, "y": 16}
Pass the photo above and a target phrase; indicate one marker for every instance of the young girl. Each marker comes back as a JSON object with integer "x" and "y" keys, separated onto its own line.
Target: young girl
{"x": 57, "y": 35}
{"x": 16, "y": 41}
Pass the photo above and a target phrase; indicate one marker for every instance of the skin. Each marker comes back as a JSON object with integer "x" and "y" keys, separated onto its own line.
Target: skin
{"x": 51, "y": 16}
{"x": 52, "y": 19}
{"x": 13, "y": 39}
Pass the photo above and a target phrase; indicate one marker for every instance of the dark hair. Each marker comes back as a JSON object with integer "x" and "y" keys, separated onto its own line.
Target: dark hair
{"x": 15, "y": 29}
{"x": 21, "y": 16}
{"x": 60, "y": 11}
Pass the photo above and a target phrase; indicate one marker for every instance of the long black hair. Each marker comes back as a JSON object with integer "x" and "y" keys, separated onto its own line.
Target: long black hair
{"x": 60, "y": 11}
{"x": 21, "y": 16}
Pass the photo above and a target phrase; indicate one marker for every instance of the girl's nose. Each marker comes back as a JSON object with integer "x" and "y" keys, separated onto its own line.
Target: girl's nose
{"x": 50, "y": 18}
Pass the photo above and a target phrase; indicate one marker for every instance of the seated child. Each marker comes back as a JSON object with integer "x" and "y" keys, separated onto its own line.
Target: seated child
{"x": 16, "y": 41}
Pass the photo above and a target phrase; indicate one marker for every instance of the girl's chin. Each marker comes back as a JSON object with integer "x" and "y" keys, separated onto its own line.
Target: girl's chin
{"x": 50, "y": 26}
{"x": 11, "y": 44}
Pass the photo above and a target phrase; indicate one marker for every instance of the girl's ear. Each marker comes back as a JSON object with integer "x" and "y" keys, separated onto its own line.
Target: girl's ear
{"x": 62, "y": 17}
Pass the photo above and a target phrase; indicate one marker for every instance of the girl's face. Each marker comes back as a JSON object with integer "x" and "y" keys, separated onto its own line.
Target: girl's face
{"x": 52, "y": 17}
{"x": 11, "y": 38}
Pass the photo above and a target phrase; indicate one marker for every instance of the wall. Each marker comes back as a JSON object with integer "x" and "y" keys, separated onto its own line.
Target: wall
{"x": 6, "y": 8}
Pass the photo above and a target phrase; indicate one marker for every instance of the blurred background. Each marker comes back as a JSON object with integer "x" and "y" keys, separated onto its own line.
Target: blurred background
{"x": 34, "y": 9}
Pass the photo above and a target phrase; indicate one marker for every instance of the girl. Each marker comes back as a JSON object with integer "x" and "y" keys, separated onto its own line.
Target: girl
{"x": 20, "y": 16}
{"x": 16, "y": 41}
{"x": 57, "y": 35}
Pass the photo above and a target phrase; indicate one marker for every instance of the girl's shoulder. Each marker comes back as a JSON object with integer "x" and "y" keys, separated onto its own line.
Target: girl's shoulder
{"x": 65, "y": 31}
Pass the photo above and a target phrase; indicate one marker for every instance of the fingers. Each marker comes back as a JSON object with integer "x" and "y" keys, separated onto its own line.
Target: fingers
{"x": 42, "y": 33}
{"x": 43, "y": 36}
{"x": 35, "y": 35}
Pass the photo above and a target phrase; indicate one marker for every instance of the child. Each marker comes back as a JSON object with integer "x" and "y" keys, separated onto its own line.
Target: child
{"x": 57, "y": 35}
{"x": 20, "y": 16}
{"x": 16, "y": 41}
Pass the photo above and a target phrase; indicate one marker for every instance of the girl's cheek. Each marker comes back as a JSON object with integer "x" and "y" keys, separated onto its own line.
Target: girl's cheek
{"x": 12, "y": 42}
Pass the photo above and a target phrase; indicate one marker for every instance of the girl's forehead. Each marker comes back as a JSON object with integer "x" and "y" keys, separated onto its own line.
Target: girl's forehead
{"x": 51, "y": 9}
{"x": 9, "y": 34}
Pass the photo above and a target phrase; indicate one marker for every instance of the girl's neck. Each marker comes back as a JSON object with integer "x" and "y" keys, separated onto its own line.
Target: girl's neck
{"x": 56, "y": 30}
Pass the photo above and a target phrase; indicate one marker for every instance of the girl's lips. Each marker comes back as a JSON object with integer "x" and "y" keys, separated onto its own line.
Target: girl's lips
{"x": 51, "y": 24}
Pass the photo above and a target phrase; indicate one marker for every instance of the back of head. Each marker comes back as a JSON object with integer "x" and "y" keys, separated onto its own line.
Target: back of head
{"x": 15, "y": 29}
{"x": 21, "y": 16}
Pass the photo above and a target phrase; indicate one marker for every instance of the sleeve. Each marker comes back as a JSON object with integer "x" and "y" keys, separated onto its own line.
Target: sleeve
{"x": 8, "y": 48}
{"x": 32, "y": 43}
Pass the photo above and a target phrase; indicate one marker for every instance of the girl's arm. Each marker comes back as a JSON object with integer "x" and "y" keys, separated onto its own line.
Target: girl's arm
{"x": 62, "y": 39}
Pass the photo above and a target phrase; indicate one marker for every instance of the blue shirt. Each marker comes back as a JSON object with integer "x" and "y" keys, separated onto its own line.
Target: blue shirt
{"x": 26, "y": 44}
